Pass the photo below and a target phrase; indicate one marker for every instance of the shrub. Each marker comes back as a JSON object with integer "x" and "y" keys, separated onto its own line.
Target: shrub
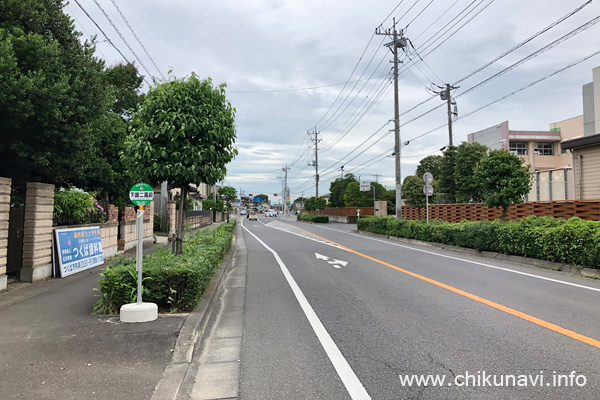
{"x": 172, "y": 282}
{"x": 572, "y": 241}
{"x": 305, "y": 217}
{"x": 76, "y": 206}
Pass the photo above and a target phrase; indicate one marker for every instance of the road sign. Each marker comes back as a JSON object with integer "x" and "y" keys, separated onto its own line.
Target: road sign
{"x": 427, "y": 177}
{"x": 428, "y": 190}
{"x": 141, "y": 194}
{"x": 365, "y": 186}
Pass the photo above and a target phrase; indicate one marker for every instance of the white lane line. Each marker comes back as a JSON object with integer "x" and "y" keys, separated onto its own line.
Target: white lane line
{"x": 355, "y": 388}
{"x": 467, "y": 261}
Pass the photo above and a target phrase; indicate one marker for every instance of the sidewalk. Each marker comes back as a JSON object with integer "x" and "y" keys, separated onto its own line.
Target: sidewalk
{"x": 52, "y": 347}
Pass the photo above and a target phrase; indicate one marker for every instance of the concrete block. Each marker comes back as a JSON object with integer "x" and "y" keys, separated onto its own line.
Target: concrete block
{"x": 3, "y": 234}
{"x": 144, "y": 312}
{"x": 4, "y": 208}
{"x": 4, "y": 225}
{"x": 41, "y": 201}
{"x": 39, "y": 208}
{"x": 5, "y": 181}
{"x": 4, "y": 198}
{"x": 3, "y": 281}
{"x": 36, "y": 263}
{"x": 40, "y": 185}
{"x": 3, "y": 241}
{"x": 3, "y": 252}
{"x": 37, "y": 246}
{"x": 2, "y": 266}
{"x": 38, "y": 235}
{"x": 38, "y": 223}
{"x": 29, "y": 274}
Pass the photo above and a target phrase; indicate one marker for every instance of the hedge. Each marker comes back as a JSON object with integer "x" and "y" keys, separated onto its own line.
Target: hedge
{"x": 172, "y": 282}
{"x": 304, "y": 217}
{"x": 573, "y": 241}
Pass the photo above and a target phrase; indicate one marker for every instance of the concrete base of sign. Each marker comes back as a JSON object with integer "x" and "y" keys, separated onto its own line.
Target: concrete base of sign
{"x": 134, "y": 312}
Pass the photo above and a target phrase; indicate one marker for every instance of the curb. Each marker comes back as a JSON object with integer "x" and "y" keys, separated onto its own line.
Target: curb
{"x": 170, "y": 384}
{"x": 534, "y": 262}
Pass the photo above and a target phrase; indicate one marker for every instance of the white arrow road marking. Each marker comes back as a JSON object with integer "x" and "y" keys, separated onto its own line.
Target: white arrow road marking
{"x": 332, "y": 262}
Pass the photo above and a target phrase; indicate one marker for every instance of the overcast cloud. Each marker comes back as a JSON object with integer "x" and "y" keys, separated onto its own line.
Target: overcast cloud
{"x": 264, "y": 48}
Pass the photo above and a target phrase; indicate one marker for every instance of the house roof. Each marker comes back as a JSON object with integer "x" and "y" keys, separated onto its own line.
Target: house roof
{"x": 584, "y": 141}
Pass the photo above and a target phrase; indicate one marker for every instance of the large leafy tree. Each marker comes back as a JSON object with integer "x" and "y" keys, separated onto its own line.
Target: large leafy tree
{"x": 468, "y": 157}
{"x": 103, "y": 170}
{"x": 183, "y": 133}
{"x": 445, "y": 181}
{"x": 337, "y": 188}
{"x": 412, "y": 192}
{"x": 51, "y": 92}
{"x": 503, "y": 179}
{"x": 315, "y": 203}
{"x": 431, "y": 164}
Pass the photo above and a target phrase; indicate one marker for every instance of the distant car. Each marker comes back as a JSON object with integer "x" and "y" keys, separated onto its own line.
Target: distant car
{"x": 243, "y": 212}
{"x": 270, "y": 213}
{"x": 253, "y": 216}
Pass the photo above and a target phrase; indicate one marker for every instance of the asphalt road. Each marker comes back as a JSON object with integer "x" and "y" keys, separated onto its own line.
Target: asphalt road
{"x": 331, "y": 314}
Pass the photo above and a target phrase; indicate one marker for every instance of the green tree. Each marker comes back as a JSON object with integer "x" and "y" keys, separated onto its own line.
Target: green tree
{"x": 228, "y": 194}
{"x": 182, "y": 133}
{"x": 468, "y": 157}
{"x": 103, "y": 170}
{"x": 337, "y": 189}
{"x": 432, "y": 164}
{"x": 352, "y": 195}
{"x": 503, "y": 180}
{"x": 315, "y": 203}
{"x": 445, "y": 184}
{"x": 412, "y": 192}
{"x": 51, "y": 92}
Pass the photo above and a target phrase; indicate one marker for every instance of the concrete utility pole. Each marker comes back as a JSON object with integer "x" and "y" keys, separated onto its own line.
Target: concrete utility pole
{"x": 315, "y": 163}
{"x": 398, "y": 41}
{"x": 446, "y": 95}
{"x": 377, "y": 177}
{"x": 285, "y": 191}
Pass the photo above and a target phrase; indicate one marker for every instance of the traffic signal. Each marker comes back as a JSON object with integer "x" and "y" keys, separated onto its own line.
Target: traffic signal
{"x": 275, "y": 194}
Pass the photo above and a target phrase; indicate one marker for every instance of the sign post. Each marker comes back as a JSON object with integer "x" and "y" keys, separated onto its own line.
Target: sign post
{"x": 428, "y": 190}
{"x": 140, "y": 194}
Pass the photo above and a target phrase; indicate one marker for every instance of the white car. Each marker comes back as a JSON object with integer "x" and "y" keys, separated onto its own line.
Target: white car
{"x": 270, "y": 213}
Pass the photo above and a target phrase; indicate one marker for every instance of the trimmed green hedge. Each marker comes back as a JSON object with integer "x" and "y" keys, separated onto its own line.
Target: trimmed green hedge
{"x": 573, "y": 241}
{"x": 173, "y": 282}
{"x": 304, "y": 217}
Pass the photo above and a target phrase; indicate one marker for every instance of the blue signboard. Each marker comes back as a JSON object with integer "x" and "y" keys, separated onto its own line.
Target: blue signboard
{"x": 78, "y": 249}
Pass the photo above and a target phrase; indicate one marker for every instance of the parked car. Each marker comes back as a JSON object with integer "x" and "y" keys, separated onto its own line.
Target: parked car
{"x": 253, "y": 216}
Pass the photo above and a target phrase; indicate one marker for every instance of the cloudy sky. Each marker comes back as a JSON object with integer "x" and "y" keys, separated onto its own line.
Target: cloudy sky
{"x": 298, "y": 66}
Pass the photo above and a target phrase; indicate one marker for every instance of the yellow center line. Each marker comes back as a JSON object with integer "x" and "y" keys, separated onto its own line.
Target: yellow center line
{"x": 526, "y": 317}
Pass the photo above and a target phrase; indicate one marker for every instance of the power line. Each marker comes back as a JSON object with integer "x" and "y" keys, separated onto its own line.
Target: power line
{"x": 107, "y": 38}
{"x": 138, "y": 39}
{"x": 123, "y": 39}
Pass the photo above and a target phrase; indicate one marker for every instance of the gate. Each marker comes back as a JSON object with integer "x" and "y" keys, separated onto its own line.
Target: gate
{"x": 14, "y": 257}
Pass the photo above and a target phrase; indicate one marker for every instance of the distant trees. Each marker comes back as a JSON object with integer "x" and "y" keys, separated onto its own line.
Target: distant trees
{"x": 315, "y": 203}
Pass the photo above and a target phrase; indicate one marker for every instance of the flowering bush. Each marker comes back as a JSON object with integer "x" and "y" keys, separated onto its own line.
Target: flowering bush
{"x": 76, "y": 206}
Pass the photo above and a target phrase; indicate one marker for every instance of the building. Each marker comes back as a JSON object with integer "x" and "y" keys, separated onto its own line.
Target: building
{"x": 541, "y": 151}
{"x": 585, "y": 149}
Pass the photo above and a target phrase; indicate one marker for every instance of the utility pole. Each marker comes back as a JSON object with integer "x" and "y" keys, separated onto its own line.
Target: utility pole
{"x": 446, "y": 95}
{"x": 398, "y": 41}
{"x": 285, "y": 190}
{"x": 342, "y": 168}
{"x": 377, "y": 177}
{"x": 315, "y": 163}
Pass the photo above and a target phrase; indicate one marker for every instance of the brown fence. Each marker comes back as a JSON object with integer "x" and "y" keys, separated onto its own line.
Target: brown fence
{"x": 585, "y": 209}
